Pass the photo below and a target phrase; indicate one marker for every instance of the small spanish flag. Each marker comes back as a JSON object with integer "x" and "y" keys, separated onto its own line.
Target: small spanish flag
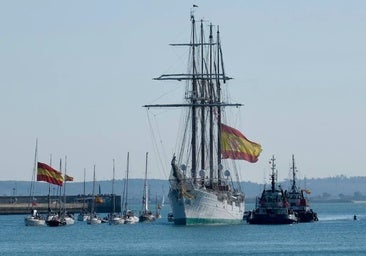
{"x": 234, "y": 145}
{"x": 68, "y": 178}
{"x": 48, "y": 174}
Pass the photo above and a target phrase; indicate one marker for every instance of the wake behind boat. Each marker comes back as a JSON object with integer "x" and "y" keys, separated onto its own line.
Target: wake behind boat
{"x": 202, "y": 190}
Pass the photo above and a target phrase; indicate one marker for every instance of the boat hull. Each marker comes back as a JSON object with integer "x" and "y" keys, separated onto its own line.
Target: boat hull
{"x": 271, "y": 219}
{"x": 306, "y": 216}
{"x": 93, "y": 221}
{"x": 116, "y": 221}
{"x": 147, "y": 218}
{"x": 33, "y": 221}
{"x": 131, "y": 220}
{"x": 204, "y": 208}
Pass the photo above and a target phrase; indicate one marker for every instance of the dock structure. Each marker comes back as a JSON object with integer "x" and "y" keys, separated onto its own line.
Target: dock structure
{"x": 74, "y": 204}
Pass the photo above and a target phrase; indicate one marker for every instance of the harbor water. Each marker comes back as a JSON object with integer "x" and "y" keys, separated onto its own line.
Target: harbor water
{"x": 336, "y": 233}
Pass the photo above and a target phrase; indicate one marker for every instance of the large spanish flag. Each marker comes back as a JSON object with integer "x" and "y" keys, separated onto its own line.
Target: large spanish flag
{"x": 235, "y": 145}
{"x": 48, "y": 174}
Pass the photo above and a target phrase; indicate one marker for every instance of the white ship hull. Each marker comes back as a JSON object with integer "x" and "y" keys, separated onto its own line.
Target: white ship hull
{"x": 204, "y": 208}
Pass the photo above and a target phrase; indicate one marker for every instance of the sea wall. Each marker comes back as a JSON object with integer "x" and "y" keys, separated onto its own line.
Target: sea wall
{"x": 74, "y": 203}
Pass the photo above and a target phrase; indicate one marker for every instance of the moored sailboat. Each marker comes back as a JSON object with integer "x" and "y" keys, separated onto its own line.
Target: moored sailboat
{"x": 93, "y": 218}
{"x": 146, "y": 215}
{"x": 83, "y": 215}
{"x": 62, "y": 217}
{"x": 206, "y": 195}
{"x": 128, "y": 214}
{"x": 114, "y": 218}
{"x": 34, "y": 219}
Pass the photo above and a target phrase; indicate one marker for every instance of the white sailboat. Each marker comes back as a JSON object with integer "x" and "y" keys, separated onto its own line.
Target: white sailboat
{"x": 67, "y": 217}
{"x": 62, "y": 217}
{"x": 34, "y": 219}
{"x": 93, "y": 218}
{"x": 128, "y": 214}
{"x": 83, "y": 215}
{"x": 206, "y": 194}
{"x": 114, "y": 218}
{"x": 146, "y": 215}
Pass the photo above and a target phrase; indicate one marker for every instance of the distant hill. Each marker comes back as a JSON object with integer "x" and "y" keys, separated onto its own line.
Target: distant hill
{"x": 322, "y": 188}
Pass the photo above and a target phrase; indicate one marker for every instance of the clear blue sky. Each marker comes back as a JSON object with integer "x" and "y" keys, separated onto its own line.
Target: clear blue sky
{"x": 75, "y": 74}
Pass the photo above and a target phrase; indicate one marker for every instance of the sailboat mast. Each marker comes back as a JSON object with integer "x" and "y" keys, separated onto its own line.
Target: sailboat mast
{"x": 64, "y": 204}
{"x": 146, "y": 192}
{"x": 49, "y": 190}
{"x": 59, "y": 190}
{"x": 93, "y": 197}
{"x": 211, "y": 93}
{"x": 202, "y": 89}
{"x": 194, "y": 102}
{"x": 113, "y": 196}
{"x": 126, "y": 189}
{"x": 218, "y": 89}
{"x": 34, "y": 174}
{"x": 84, "y": 191}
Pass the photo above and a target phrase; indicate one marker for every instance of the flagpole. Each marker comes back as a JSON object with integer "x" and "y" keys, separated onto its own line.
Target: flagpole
{"x": 49, "y": 190}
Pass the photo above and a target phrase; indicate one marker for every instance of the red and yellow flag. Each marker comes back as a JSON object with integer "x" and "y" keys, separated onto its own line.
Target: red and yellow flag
{"x": 235, "y": 145}
{"x": 48, "y": 174}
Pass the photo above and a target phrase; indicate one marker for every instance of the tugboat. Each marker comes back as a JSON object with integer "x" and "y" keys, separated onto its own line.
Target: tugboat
{"x": 272, "y": 207}
{"x": 298, "y": 203}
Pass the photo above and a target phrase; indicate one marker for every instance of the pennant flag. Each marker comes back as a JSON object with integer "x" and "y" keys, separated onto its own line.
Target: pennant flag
{"x": 235, "y": 145}
{"x": 48, "y": 174}
{"x": 68, "y": 178}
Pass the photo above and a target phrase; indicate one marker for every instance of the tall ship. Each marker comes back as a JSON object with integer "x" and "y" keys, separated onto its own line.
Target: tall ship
{"x": 297, "y": 200}
{"x": 204, "y": 180}
{"x": 272, "y": 207}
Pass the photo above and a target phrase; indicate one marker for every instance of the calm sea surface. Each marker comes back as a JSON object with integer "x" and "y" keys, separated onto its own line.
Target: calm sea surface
{"x": 335, "y": 234}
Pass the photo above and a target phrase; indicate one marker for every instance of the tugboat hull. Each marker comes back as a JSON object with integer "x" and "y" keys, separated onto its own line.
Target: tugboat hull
{"x": 271, "y": 219}
{"x": 307, "y": 216}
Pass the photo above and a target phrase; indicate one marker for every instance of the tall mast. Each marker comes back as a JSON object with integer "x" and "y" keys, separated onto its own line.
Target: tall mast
{"x": 146, "y": 189}
{"x": 194, "y": 102}
{"x": 113, "y": 195}
{"x": 64, "y": 206}
{"x": 218, "y": 89}
{"x": 203, "y": 82}
{"x": 84, "y": 191}
{"x": 59, "y": 190}
{"x": 34, "y": 174}
{"x": 204, "y": 94}
{"x": 211, "y": 93}
{"x": 127, "y": 170}
{"x": 49, "y": 190}
{"x": 93, "y": 197}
